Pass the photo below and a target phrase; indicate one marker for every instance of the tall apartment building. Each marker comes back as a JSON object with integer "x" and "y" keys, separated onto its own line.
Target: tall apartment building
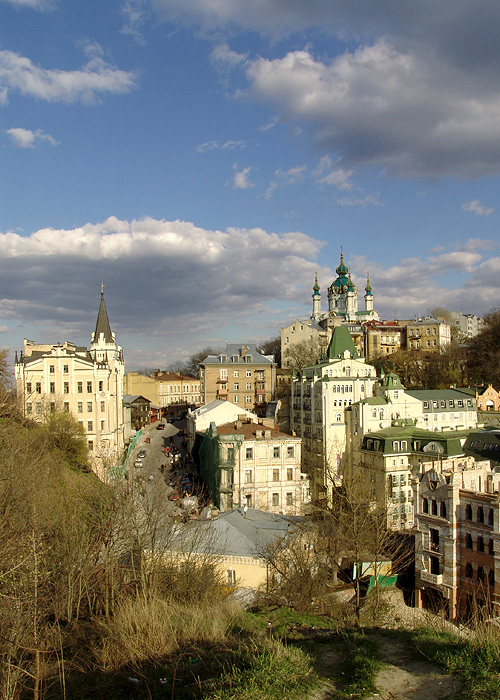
{"x": 457, "y": 542}
{"x": 248, "y": 463}
{"x": 88, "y": 383}
{"x": 321, "y": 396}
{"x": 240, "y": 374}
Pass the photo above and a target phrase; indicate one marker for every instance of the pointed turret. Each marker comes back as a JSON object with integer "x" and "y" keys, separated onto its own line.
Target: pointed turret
{"x": 102, "y": 327}
{"x": 316, "y": 296}
{"x": 368, "y": 295}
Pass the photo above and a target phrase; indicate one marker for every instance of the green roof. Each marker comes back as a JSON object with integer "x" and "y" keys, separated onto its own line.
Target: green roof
{"x": 340, "y": 342}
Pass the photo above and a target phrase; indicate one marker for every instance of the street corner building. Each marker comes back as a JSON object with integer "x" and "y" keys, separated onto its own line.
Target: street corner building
{"x": 85, "y": 382}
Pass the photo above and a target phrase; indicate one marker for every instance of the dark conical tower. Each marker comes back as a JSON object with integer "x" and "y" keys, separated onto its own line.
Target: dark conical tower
{"x": 102, "y": 327}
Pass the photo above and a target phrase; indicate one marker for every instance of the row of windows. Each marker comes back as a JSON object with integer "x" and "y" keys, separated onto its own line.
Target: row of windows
{"x": 427, "y": 332}
{"x": 38, "y": 408}
{"x": 452, "y": 403}
{"x": 434, "y": 507}
{"x": 52, "y": 387}
{"x": 52, "y": 369}
{"x": 479, "y": 514}
{"x": 236, "y": 373}
{"x": 276, "y": 475}
{"x": 480, "y": 545}
{"x": 176, "y": 389}
{"x": 480, "y": 574}
{"x": 290, "y": 451}
{"x": 275, "y": 499}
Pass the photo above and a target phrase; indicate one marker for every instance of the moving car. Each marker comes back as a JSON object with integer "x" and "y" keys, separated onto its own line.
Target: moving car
{"x": 141, "y": 454}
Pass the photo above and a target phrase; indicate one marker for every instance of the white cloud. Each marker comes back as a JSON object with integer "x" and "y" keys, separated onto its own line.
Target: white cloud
{"x": 205, "y": 281}
{"x": 217, "y": 145}
{"x": 97, "y": 77}
{"x": 34, "y": 4}
{"x": 367, "y": 200}
{"x": 241, "y": 181}
{"x": 477, "y": 208}
{"x": 25, "y": 138}
{"x": 380, "y": 105}
{"x": 225, "y": 59}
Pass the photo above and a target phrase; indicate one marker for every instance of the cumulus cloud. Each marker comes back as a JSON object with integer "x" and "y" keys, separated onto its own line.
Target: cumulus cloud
{"x": 477, "y": 208}
{"x": 97, "y": 77}
{"x": 412, "y": 90}
{"x": 171, "y": 284}
{"x": 384, "y": 106}
{"x": 25, "y": 138}
{"x": 241, "y": 179}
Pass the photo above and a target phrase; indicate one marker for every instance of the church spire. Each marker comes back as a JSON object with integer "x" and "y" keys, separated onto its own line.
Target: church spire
{"x": 102, "y": 326}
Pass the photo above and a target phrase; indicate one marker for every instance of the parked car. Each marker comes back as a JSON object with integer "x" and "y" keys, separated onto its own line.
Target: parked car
{"x": 141, "y": 454}
{"x": 138, "y": 463}
{"x": 160, "y": 426}
{"x": 174, "y": 496}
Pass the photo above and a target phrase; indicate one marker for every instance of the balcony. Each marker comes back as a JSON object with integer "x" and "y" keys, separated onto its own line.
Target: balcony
{"x": 436, "y": 579}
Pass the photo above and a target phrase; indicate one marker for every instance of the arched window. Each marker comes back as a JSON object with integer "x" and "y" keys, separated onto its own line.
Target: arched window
{"x": 425, "y": 505}
{"x": 434, "y": 508}
{"x": 442, "y": 509}
{"x": 374, "y": 412}
{"x": 468, "y": 512}
{"x": 468, "y": 570}
{"x": 480, "y": 514}
{"x": 339, "y": 417}
{"x": 491, "y": 547}
{"x": 395, "y": 446}
{"x": 381, "y": 413}
{"x": 491, "y": 577}
{"x": 468, "y": 540}
{"x": 491, "y": 516}
{"x": 480, "y": 574}
{"x": 404, "y": 446}
{"x": 480, "y": 544}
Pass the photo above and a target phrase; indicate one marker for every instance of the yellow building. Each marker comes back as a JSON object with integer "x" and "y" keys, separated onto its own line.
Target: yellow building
{"x": 164, "y": 389}
{"x": 87, "y": 383}
{"x": 241, "y": 374}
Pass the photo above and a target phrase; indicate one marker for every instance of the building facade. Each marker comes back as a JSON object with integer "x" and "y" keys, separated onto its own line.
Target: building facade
{"x": 165, "y": 390}
{"x": 430, "y": 334}
{"x": 87, "y": 383}
{"x": 240, "y": 374}
{"x": 321, "y": 396}
{"x": 247, "y": 463}
{"x": 457, "y": 542}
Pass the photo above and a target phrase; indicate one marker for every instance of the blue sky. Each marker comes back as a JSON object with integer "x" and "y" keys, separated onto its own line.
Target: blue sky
{"x": 204, "y": 158}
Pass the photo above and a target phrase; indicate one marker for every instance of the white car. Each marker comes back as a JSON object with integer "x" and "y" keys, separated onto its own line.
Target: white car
{"x": 138, "y": 463}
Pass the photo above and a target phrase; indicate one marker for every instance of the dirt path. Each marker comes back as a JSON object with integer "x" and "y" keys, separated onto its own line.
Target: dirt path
{"x": 403, "y": 677}
{"x": 406, "y": 678}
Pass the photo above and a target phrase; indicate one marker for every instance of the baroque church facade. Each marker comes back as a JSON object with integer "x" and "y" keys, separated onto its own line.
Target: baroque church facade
{"x": 343, "y": 300}
{"x": 343, "y": 310}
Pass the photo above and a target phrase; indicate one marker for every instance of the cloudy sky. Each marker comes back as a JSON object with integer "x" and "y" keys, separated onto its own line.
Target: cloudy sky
{"x": 205, "y": 158}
